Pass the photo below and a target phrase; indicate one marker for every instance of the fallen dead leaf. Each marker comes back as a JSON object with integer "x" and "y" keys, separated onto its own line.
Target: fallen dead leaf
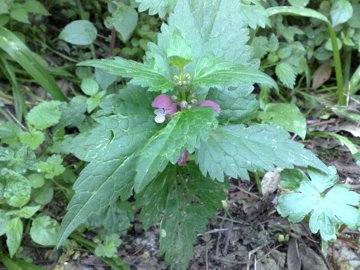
{"x": 321, "y": 75}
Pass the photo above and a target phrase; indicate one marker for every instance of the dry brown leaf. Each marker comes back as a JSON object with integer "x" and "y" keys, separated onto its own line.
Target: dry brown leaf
{"x": 321, "y": 75}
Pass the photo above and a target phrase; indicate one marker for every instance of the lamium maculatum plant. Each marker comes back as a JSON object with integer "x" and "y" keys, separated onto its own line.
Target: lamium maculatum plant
{"x": 182, "y": 126}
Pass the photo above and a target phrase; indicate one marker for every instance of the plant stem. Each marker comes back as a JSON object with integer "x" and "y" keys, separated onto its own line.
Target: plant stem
{"x": 338, "y": 68}
{"x": 347, "y": 66}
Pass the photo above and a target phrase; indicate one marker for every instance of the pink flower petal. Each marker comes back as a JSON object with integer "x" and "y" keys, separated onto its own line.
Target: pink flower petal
{"x": 171, "y": 109}
{"x": 162, "y": 101}
{"x": 211, "y": 104}
{"x": 183, "y": 158}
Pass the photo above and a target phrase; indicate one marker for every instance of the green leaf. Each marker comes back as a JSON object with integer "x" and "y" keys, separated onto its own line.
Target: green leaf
{"x": 184, "y": 132}
{"x": 188, "y": 209}
{"x": 44, "y": 115}
{"x": 354, "y": 84}
{"x": 286, "y": 74}
{"x": 14, "y": 232}
{"x": 153, "y": 198}
{"x": 124, "y": 19}
{"x": 80, "y": 32}
{"x": 73, "y": 113}
{"x": 44, "y": 194}
{"x": 299, "y": 3}
{"x": 212, "y": 72}
{"x": 354, "y": 22}
{"x": 297, "y": 11}
{"x": 17, "y": 50}
{"x": 32, "y": 139}
{"x": 213, "y": 27}
{"x": 25, "y": 212}
{"x": 36, "y": 7}
{"x": 179, "y": 52}
{"x": 115, "y": 219}
{"x": 328, "y": 205}
{"x": 36, "y": 180}
{"x": 341, "y": 11}
{"x": 254, "y": 15}
{"x": 89, "y": 86}
{"x": 18, "y": 264}
{"x": 51, "y": 167}
{"x": 3, "y": 219}
{"x": 161, "y": 7}
{"x": 44, "y": 231}
{"x": 111, "y": 173}
{"x": 236, "y": 105}
{"x": 109, "y": 246}
{"x": 141, "y": 74}
{"x": 234, "y": 150}
{"x": 9, "y": 133}
{"x": 19, "y": 14}
{"x": 17, "y": 188}
{"x": 285, "y": 115}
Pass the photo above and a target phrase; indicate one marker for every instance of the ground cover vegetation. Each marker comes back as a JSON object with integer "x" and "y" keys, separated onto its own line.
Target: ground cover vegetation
{"x": 167, "y": 118}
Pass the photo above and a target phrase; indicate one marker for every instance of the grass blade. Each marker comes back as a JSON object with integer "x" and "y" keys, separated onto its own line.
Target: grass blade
{"x": 19, "y": 52}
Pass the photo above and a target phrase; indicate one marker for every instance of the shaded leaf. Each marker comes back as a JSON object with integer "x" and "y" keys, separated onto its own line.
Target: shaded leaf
{"x": 80, "y": 32}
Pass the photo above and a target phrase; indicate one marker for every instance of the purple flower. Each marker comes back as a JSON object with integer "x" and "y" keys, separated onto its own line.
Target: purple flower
{"x": 165, "y": 105}
{"x": 211, "y": 104}
{"x": 183, "y": 158}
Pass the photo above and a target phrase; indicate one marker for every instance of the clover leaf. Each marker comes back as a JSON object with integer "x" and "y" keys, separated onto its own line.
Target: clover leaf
{"x": 329, "y": 205}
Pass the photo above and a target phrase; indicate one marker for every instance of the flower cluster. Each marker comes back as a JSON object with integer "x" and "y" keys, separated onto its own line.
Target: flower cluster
{"x": 167, "y": 106}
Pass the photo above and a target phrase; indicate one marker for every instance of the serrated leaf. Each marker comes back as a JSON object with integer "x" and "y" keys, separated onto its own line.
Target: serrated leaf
{"x": 286, "y": 74}
{"x": 44, "y": 115}
{"x": 327, "y": 209}
{"x": 184, "y": 132}
{"x": 153, "y": 198}
{"x": 161, "y": 7}
{"x": 285, "y": 115}
{"x": 115, "y": 219}
{"x": 341, "y": 11}
{"x": 213, "y": 27}
{"x": 187, "y": 211}
{"x": 141, "y": 74}
{"x": 236, "y": 104}
{"x": 32, "y": 139}
{"x": 234, "y": 150}
{"x": 44, "y": 231}
{"x": 14, "y": 232}
{"x": 111, "y": 173}
{"x": 109, "y": 246}
{"x": 79, "y": 32}
{"x": 254, "y": 15}
{"x": 212, "y": 72}
{"x": 51, "y": 167}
